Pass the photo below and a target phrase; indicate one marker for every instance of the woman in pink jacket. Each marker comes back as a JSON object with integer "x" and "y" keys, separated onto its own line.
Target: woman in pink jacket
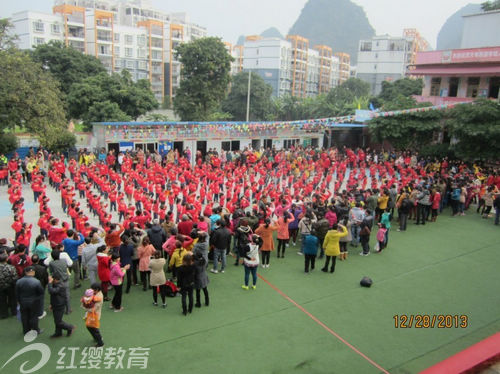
{"x": 145, "y": 251}
{"x": 283, "y": 234}
{"x": 116, "y": 277}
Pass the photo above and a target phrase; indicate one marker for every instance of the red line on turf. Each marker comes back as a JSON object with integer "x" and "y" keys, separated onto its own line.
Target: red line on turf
{"x": 323, "y": 325}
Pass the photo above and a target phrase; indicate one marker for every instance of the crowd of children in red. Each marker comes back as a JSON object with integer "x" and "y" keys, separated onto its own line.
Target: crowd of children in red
{"x": 170, "y": 208}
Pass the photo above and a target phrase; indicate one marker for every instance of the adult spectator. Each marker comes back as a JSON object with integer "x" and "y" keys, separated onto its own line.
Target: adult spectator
{"x": 43, "y": 276}
{"x": 58, "y": 303}
{"x": 221, "y": 241}
{"x": 357, "y": 215}
{"x": 8, "y": 277}
{"x": 71, "y": 244}
{"x": 157, "y": 235}
{"x": 59, "y": 263}
{"x": 28, "y": 293}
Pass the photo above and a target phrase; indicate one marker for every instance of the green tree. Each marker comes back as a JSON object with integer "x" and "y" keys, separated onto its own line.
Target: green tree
{"x": 110, "y": 98}
{"x": 66, "y": 64}
{"x": 407, "y": 131}
{"x": 29, "y": 97}
{"x": 157, "y": 117}
{"x": 7, "y": 38}
{"x": 490, "y": 5}
{"x": 8, "y": 142}
{"x": 345, "y": 99}
{"x": 476, "y": 128}
{"x": 260, "y": 98}
{"x": 398, "y": 94}
{"x": 58, "y": 140}
{"x": 205, "y": 78}
{"x": 105, "y": 111}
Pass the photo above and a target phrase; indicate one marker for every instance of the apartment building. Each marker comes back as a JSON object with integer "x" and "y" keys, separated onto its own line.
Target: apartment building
{"x": 290, "y": 66}
{"x": 126, "y": 34}
{"x": 344, "y": 66}
{"x": 388, "y": 58}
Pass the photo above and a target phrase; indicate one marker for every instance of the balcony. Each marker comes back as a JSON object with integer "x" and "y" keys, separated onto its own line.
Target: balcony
{"x": 440, "y": 100}
{"x": 75, "y": 19}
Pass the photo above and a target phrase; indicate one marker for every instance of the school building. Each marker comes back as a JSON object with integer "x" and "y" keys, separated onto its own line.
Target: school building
{"x": 228, "y": 136}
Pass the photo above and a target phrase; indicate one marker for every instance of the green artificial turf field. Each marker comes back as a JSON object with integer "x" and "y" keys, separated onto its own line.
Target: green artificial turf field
{"x": 447, "y": 267}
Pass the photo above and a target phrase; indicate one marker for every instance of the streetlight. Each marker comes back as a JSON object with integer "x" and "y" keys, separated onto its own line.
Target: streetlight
{"x": 248, "y": 94}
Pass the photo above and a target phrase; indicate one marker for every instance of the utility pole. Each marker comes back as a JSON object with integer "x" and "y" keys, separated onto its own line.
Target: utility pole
{"x": 248, "y": 94}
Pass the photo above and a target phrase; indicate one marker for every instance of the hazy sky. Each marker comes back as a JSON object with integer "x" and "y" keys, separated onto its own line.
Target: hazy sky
{"x": 231, "y": 18}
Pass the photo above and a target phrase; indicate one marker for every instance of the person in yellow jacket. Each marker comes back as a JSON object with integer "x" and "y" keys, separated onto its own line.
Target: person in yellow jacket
{"x": 331, "y": 245}
{"x": 176, "y": 259}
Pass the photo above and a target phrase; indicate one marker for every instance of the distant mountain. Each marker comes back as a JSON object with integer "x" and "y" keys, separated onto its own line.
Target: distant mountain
{"x": 271, "y": 32}
{"x": 450, "y": 35}
{"x": 339, "y": 24}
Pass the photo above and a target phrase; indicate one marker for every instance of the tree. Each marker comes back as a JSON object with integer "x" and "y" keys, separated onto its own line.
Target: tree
{"x": 156, "y": 117}
{"x": 58, "y": 140}
{"x": 476, "y": 129}
{"x": 8, "y": 142}
{"x": 66, "y": 64}
{"x": 29, "y": 97}
{"x": 103, "y": 97}
{"x": 205, "y": 78}
{"x": 407, "y": 131}
{"x": 490, "y": 5}
{"x": 398, "y": 94}
{"x": 260, "y": 98}
{"x": 7, "y": 38}
{"x": 345, "y": 99}
{"x": 105, "y": 111}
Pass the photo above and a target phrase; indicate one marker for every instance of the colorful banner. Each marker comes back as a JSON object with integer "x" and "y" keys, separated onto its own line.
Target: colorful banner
{"x": 165, "y": 131}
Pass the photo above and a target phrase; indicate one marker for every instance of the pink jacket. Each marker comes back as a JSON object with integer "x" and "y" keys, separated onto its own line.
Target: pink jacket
{"x": 116, "y": 274}
{"x": 331, "y": 217}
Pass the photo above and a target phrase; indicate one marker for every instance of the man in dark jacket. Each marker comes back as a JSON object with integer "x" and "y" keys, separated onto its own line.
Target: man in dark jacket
{"x": 29, "y": 290}
{"x": 43, "y": 276}
{"x": 321, "y": 227}
{"x": 58, "y": 303}
{"x": 8, "y": 277}
{"x": 221, "y": 240}
{"x": 157, "y": 235}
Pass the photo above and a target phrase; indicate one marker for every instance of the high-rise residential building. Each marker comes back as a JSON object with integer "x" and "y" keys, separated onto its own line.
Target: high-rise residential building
{"x": 236, "y": 52}
{"x": 388, "y": 58}
{"x": 290, "y": 66}
{"x": 344, "y": 66}
{"x": 123, "y": 34}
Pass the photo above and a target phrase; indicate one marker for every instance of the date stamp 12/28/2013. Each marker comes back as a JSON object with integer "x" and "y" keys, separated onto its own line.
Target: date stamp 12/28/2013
{"x": 430, "y": 321}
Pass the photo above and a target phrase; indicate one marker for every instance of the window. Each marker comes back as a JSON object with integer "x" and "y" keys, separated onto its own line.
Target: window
{"x": 55, "y": 29}
{"x": 435, "y": 86}
{"x": 453, "y": 89}
{"x": 38, "y": 26}
{"x": 366, "y": 46}
{"x": 130, "y": 64}
{"x": 142, "y": 65}
{"x": 117, "y": 38}
{"x": 141, "y": 40}
{"x": 129, "y": 39}
{"x": 136, "y": 11}
{"x": 128, "y": 11}
{"x": 156, "y": 55}
{"x": 39, "y": 41}
{"x": 129, "y": 52}
{"x": 116, "y": 51}
{"x": 472, "y": 86}
{"x": 235, "y": 145}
